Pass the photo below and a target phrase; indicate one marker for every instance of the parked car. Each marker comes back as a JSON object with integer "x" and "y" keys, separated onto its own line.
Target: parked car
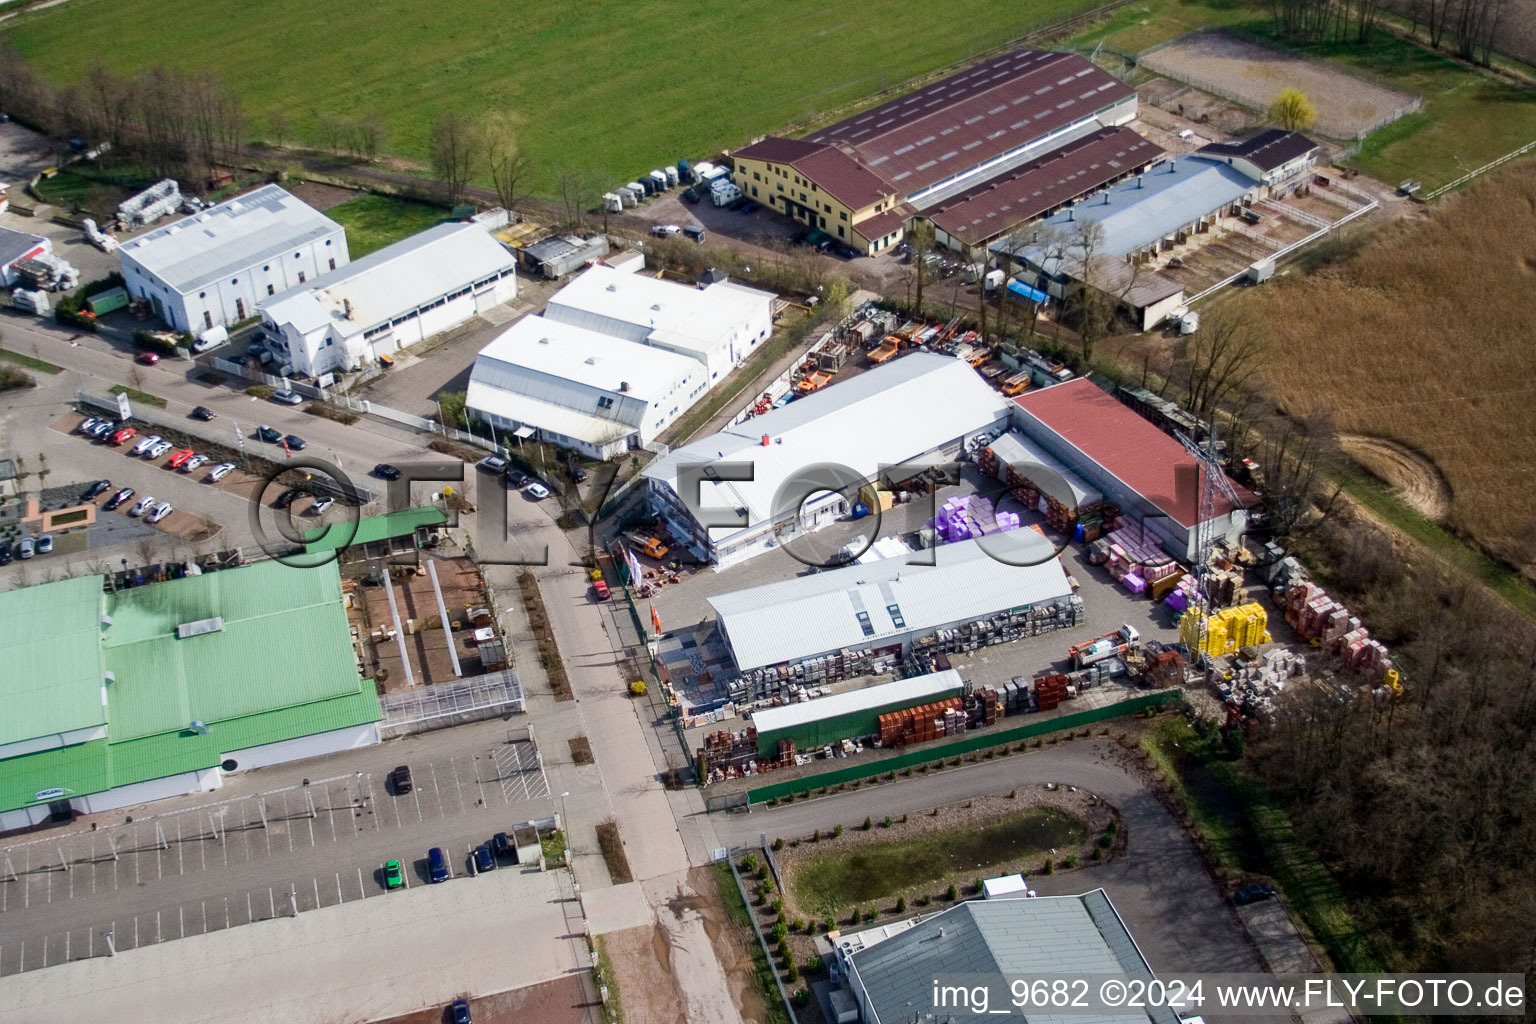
{"x": 267, "y": 434}
{"x": 159, "y": 449}
{"x": 491, "y": 464}
{"x": 749, "y": 207}
{"x": 384, "y": 471}
{"x": 691, "y": 195}
{"x": 146, "y": 358}
{"x": 578, "y": 474}
{"x": 322, "y": 504}
{"x": 1255, "y": 893}
{"x": 296, "y": 443}
{"x": 45, "y": 544}
{"x": 287, "y": 497}
{"x": 193, "y": 463}
{"x": 27, "y": 547}
{"x": 203, "y": 413}
{"x": 536, "y": 490}
{"x": 104, "y": 428}
{"x": 665, "y": 230}
{"x": 847, "y": 252}
{"x": 287, "y": 397}
{"x": 117, "y": 499}
{"x": 124, "y": 435}
{"x": 485, "y": 860}
{"x": 161, "y": 511}
{"x": 5, "y": 553}
{"x": 516, "y": 478}
{"x": 394, "y": 877}
{"x": 87, "y": 424}
{"x": 181, "y": 458}
{"x": 460, "y": 1011}
{"x": 146, "y": 443}
{"x": 94, "y": 491}
{"x": 220, "y": 471}
{"x": 437, "y": 865}
{"x": 600, "y": 588}
{"x": 143, "y": 506}
{"x": 501, "y": 843}
{"x": 402, "y": 776}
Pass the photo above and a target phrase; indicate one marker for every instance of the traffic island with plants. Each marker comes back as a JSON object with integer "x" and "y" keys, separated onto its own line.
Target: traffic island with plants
{"x": 544, "y": 636}
{"x": 854, "y": 876}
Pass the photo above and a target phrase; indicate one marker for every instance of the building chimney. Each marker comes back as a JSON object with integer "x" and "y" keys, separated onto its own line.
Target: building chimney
{"x": 623, "y": 385}
{"x": 346, "y": 305}
{"x": 1138, "y": 179}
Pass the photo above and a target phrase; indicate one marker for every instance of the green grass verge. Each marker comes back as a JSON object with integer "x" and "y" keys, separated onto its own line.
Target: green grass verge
{"x": 553, "y": 845}
{"x": 608, "y": 87}
{"x": 374, "y": 221}
{"x": 29, "y": 362}
{"x": 740, "y": 916}
{"x": 86, "y": 191}
{"x": 613, "y": 1009}
{"x": 1135, "y": 27}
{"x": 1497, "y": 576}
{"x": 1248, "y": 830}
{"x": 139, "y": 396}
{"x": 831, "y": 883}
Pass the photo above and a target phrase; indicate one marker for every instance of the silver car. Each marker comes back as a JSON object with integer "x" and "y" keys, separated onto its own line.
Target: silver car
{"x": 159, "y": 449}
{"x": 143, "y": 506}
{"x": 146, "y": 443}
{"x": 220, "y": 471}
{"x": 161, "y": 511}
{"x": 193, "y": 463}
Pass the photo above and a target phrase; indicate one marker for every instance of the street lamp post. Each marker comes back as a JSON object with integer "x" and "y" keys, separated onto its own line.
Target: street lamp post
{"x": 565, "y": 825}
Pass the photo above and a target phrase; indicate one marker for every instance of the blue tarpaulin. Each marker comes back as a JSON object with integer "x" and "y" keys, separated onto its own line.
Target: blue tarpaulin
{"x": 1025, "y": 292}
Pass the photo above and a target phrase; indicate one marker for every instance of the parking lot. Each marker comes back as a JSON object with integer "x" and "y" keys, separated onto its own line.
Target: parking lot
{"x": 226, "y": 863}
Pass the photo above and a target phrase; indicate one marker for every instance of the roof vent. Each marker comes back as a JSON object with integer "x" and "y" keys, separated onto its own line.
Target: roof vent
{"x": 623, "y": 385}
{"x": 200, "y": 728}
{"x": 591, "y": 360}
{"x": 110, "y": 676}
{"x": 199, "y": 627}
{"x": 656, "y": 306}
{"x": 106, "y": 621}
{"x": 613, "y": 288}
{"x": 543, "y": 341}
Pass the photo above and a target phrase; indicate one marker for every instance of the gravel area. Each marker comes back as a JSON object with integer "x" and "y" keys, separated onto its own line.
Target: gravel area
{"x": 1253, "y": 75}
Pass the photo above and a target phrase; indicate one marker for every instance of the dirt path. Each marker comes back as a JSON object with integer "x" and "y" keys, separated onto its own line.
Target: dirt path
{"x": 1412, "y": 475}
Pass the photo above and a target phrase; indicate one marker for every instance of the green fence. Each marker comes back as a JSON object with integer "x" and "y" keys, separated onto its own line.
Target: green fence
{"x": 977, "y": 741}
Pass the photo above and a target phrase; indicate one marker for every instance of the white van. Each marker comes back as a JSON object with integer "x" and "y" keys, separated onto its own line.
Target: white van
{"x": 724, "y": 193}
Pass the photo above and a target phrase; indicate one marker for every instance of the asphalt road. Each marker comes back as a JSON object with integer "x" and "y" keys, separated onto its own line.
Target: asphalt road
{"x": 1161, "y": 888}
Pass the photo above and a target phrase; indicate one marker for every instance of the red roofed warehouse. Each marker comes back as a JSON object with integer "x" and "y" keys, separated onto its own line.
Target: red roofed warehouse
{"x": 860, "y": 180}
{"x": 1147, "y": 473}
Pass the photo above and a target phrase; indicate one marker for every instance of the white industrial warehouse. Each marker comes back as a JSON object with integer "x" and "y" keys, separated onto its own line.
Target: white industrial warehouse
{"x": 580, "y": 389}
{"x": 717, "y": 322}
{"x": 878, "y": 611}
{"x": 864, "y": 424}
{"x": 214, "y": 268}
{"x": 390, "y": 299}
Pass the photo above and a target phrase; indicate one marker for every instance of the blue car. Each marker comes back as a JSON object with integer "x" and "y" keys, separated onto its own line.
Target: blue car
{"x": 437, "y": 865}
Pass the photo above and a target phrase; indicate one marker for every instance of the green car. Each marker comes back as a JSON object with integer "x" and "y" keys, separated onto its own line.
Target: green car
{"x": 267, "y": 434}
{"x": 394, "y": 878}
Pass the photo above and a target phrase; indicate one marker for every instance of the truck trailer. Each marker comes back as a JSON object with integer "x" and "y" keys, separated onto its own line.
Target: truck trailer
{"x": 1091, "y": 652}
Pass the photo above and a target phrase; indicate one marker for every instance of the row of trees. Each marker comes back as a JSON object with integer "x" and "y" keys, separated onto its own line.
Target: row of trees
{"x": 1475, "y": 25}
{"x": 170, "y": 121}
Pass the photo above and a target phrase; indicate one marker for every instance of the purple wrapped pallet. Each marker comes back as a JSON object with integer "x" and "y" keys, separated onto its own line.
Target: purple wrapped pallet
{"x": 1135, "y": 584}
{"x": 1177, "y": 600}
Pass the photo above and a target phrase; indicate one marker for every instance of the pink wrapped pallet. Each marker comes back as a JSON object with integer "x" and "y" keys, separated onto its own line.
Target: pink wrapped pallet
{"x": 1135, "y": 584}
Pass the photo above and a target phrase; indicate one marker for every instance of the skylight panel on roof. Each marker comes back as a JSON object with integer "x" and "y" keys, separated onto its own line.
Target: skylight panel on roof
{"x": 953, "y": 152}
{"x": 878, "y": 161}
{"x": 924, "y": 142}
{"x": 925, "y": 166}
{"x": 998, "y": 109}
{"x": 1064, "y": 81}
{"x": 971, "y": 145}
{"x": 973, "y": 120}
{"x": 1020, "y": 124}
{"x": 903, "y": 174}
{"x": 1042, "y": 90}
{"x": 1000, "y": 131}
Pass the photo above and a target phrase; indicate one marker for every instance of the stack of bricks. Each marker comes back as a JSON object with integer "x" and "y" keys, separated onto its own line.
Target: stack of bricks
{"x": 1050, "y": 690}
{"x": 984, "y": 707}
{"x": 727, "y": 750}
{"x": 915, "y": 725}
{"x": 1316, "y": 616}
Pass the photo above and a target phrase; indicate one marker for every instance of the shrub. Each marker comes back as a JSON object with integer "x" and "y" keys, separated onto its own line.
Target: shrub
{"x": 952, "y": 893}
{"x": 1070, "y": 862}
{"x": 854, "y": 917}
{"x": 797, "y": 925}
{"x": 976, "y": 885}
{"x": 1013, "y": 794}
{"x": 802, "y": 997}
{"x": 777, "y": 906}
{"x": 816, "y": 836}
{"x": 259, "y": 391}
{"x": 869, "y": 823}
{"x": 869, "y": 918}
{"x": 637, "y": 688}
{"x": 814, "y": 965}
{"x": 779, "y": 930}
{"x": 837, "y": 830}
{"x": 885, "y": 822}
{"x": 1097, "y": 854}
{"x": 827, "y": 924}
{"x": 773, "y": 801}
{"x": 1048, "y": 867}
{"x": 1107, "y": 840}
{"x": 924, "y": 900}
{"x": 768, "y": 886}
{"x": 791, "y": 973}
{"x": 901, "y": 904}
{"x": 749, "y": 863}
{"x": 778, "y": 844}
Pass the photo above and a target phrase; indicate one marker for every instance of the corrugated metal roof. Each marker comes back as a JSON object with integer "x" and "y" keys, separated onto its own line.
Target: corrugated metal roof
{"x": 1110, "y": 437}
{"x": 1072, "y": 935}
{"x": 374, "y": 528}
{"x": 862, "y": 423}
{"x": 877, "y": 696}
{"x": 51, "y": 669}
{"x": 544, "y": 415}
{"x": 959, "y": 122}
{"x": 227, "y": 238}
{"x": 1138, "y": 211}
{"x": 1269, "y": 150}
{"x": 272, "y": 613}
{"x": 1065, "y": 486}
{"x": 535, "y": 353}
{"x": 810, "y": 615}
{"x": 636, "y": 306}
{"x": 397, "y": 279}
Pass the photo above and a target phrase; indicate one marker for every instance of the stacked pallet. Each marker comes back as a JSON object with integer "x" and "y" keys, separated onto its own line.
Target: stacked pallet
{"x": 1136, "y": 560}
{"x": 969, "y": 516}
{"x": 724, "y": 751}
{"x": 915, "y": 725}
{"x": 1017, "y": 696}
{"x": 983, "y": 707}
{"x": 1050, "y": 690}
{"x": 1316, "y": 616}
{"x": 1226, "y": 631}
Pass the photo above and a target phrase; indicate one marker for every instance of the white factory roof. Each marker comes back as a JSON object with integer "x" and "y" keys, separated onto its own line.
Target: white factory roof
{"x": 888, "y": 416}
{"x": 541, "y": 347}
{"x": 435, "y": 263}
{"x": 545, "y": 415}
{"x": 877, "y": 696}
{"x": 1060, "y": 482}
{"x": 683, "y": 315}
{"x": 810, "y": 615}
{"x": 226, "y": 239}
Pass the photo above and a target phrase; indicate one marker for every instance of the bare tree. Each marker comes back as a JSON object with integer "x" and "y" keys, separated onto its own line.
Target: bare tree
{"x": 111, "y": 101}
{"x": 507, "y": 163}
{"x": 22, "y": 472}
{"x": 163, "y": 111}
{"x": 1294, "y": 457}
{"x": 148, "y": 550}
{"x": 452, "y": 153}
{"x": 330, "y": 132}
{"x": 921, "y": 240}
{"x": 372, "y": 133}
{"x": 576, "y": 191}
{"x": 279, "y": 127}
{"x": 42, "y": 471}
{"x": 1219, "y": 361}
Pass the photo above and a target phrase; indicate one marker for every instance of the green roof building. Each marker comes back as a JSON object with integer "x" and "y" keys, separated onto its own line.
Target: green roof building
{"x": 114, "y": 700}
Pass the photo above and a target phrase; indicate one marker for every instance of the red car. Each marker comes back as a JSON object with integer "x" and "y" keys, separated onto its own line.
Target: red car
{"x": 180, "y": 458}
{"x": 147, "y": 358}
{"x": 124, "y": 435}
{"x": 600, "y": 588}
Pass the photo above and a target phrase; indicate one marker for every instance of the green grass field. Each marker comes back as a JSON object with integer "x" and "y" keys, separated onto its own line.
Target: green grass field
{"x": 831, "y": 883}
{"x": 605, "y": 87}
{"x": 372, "y": 221}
